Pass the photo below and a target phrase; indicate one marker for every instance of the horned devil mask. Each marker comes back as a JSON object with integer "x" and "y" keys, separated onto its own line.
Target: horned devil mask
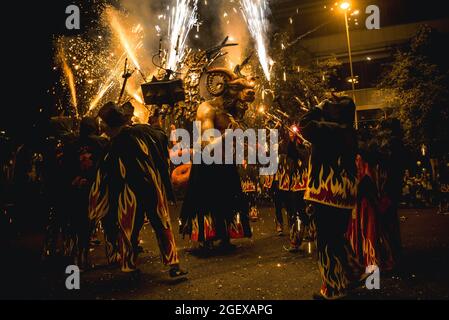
{"x": 236, "y": 89}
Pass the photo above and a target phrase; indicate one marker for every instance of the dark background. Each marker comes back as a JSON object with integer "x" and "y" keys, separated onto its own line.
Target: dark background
{"x": 29, "y": 28}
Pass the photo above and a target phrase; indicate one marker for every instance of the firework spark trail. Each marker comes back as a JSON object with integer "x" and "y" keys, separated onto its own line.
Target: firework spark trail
{"x": 69, "y": 78}
{"x": 115, "y": 72}
{"x": 183, "y": 18}
{"x": 103, "y": 89}
{"x": 117, "y": 27}
{"x": 255, "y": 13}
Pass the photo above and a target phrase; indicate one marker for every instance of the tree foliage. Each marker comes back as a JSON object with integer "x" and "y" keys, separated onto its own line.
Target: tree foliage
{"x": 417, "y": 84}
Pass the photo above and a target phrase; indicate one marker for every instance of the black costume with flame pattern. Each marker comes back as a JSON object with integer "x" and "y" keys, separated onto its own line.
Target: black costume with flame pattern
{"x": 133, "y": 182}
{"x": 291, "y": 182}
{"x": 332, "y": 190}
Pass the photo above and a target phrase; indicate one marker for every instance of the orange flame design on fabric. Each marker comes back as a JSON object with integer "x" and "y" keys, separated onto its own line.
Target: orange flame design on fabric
{"x": 268, "y": 181}
{"x": 248, "y": 186}
{"x": 161, "y": 201}
{"x": 299, "y": 181}
{"x": 128, "y": 255}
{"x": 334, "y": 277}
{"x": 208, "y": 230}
{"x": 284, "y": 180}
{"x": 170, "y": 255}
{"x": 127, "y": 205}
{"x": 143, "y": 146}
{"x": 194, "y": 234}
{"x": 369, "y": 252}
{"x": 235, "y": 228}
{"x": 122, "y": 168}
{"x": 331, "y": 191}
{"x": 98, "y": 203}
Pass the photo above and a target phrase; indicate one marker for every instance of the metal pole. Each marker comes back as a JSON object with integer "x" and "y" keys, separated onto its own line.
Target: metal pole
{"x": 350, "y": 65}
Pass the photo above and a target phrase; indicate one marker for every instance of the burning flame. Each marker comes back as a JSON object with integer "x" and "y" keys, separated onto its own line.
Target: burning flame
{"x": 183, "y": 18}
{"x": 255, "y": 13}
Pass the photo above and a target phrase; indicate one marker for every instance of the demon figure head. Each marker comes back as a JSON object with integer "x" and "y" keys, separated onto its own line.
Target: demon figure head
{"x": 236, "y": 89}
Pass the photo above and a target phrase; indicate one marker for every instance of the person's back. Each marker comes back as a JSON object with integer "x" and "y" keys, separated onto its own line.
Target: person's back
{"x": 140, "y": 144}
{"x": 332, "y": 175}
{"x": 130, "y": 185}
{"x": 332, "y": 190}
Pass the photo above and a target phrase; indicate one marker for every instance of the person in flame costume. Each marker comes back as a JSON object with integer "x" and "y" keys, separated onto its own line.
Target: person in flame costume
{"x": 363, "y": 231}
{"x": 214, "y": 207}
{"x": 248, "y": 176}
{"x": 300, "y": 225}
{"x": 374, "y": 229}
{"x": 290, "y": 184}
{"x": 133, "y": 182}
{"x": 332, "y": 190}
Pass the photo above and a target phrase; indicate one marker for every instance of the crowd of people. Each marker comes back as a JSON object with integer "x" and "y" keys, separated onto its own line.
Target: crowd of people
{"x": 341, "y": 192}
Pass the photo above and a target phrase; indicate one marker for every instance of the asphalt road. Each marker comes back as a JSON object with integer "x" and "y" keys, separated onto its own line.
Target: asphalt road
{"x": 260, "y": 268}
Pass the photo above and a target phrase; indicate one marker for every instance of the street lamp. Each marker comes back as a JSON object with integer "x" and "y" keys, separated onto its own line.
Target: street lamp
{"x": 345, "y": 6}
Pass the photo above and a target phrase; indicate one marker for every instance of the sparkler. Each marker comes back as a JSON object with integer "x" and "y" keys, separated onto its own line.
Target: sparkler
{"x": 108, "y": 84}
{"x": 118, "y": 29}
{"x": 101, "y": 92}
{"x": 255, "y": 13}
{"x": 183, "y": 18}
{"x": 70, "y": 79}
{"x": 129, "y": 52}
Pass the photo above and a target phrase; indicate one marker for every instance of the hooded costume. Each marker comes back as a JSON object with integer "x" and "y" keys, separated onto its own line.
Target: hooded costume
{"x": 332, "y": 190}
{"x": 374, "y": 228}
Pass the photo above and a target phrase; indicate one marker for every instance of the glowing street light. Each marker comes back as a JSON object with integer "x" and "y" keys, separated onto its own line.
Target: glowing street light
{"x": 345, "y": 5}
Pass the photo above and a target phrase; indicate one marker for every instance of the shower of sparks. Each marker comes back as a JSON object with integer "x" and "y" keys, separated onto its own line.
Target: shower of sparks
{"x": 118, "y": 29}
{"x": 90, "y": 61}
{"x": 126, "y": 42}
{"x": 101, "y": 92}
{"x": 255, "y": 13}
{"x": 183, "y": 18}
{"x": 69, "y": 78}
{"x": 135, "y": 94}
{"x": 108, "y": 84}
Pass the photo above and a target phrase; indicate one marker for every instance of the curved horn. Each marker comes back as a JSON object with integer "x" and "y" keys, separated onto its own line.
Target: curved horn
{"x": 216, "y": 80}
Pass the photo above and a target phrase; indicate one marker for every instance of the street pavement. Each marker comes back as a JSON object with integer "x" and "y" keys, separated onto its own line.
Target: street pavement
{"x": 260, "y": 268}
